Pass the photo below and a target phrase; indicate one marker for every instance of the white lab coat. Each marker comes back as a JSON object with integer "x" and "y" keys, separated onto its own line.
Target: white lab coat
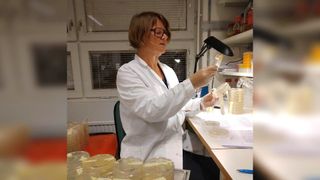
{"x": 152, "y": 114}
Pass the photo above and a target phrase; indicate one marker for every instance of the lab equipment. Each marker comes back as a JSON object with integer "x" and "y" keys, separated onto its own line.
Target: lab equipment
{"x": 247, "y": 85}
{"x": 247, "y": 171}
{"x": 74, "y": 165}
{"x": 218, "y": 58}
{"x": 246, "y": 65}
{"x": 98, "y": 166}
{"x": 212, "y": 42}
{"x": 220, "y": 92}
{"x": 158, "y": 168}
{"x": 128, "y": 168}
{"x": 235, "y": 100}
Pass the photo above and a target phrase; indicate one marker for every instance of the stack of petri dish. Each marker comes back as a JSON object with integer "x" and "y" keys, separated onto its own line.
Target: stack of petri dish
{"x": 235, "y": 101}
{"x": 74, "y": 160}
{"x": 98, "y": 166}
{"x": 158, "y": 168}
{"x": 128, "y": 168}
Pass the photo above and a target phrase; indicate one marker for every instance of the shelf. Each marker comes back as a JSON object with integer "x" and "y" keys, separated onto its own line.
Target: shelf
{"x": 233, "y": 3}
{"x": 242, "y": 38}
{"x": 239, "y": 74}
{"x": 307, "y": 27}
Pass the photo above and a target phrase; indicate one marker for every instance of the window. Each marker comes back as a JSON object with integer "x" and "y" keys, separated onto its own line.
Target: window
{"x": 105, "y": 64}
{"x": 104, "y": 67}
{"x": 176, "y": 59}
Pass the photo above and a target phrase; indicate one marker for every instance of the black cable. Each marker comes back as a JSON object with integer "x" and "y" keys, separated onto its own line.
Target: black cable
{"x": 233, "y": 61}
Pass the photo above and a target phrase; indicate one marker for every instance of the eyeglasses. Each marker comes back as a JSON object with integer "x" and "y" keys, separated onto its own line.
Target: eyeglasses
{"x": 159, "y": 32}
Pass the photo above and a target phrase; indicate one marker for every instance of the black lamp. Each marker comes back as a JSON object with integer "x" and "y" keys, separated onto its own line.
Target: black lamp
{"x": 212, "y": 42}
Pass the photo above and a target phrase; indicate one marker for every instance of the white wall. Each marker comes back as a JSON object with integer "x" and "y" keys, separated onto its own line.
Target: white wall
{"x": 42, "y": 110}
{"x": 93, "y": 110}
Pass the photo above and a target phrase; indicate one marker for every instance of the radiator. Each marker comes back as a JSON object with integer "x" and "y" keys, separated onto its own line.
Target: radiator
{"x": 101, "y": 127}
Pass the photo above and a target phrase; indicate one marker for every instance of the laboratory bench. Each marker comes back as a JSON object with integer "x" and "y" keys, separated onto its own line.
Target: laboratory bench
{"x": 228, "y": 140}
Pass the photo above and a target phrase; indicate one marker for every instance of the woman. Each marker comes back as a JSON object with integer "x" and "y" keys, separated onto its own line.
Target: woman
{"x": 152, "y": 101}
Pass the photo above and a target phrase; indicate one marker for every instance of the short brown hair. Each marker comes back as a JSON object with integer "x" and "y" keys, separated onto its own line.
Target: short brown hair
{"x": 141, "y": 24}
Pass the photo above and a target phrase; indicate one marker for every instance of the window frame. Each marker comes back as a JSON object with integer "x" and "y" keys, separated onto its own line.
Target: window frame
{"x": 75, "y": 63}
{"x": 71, "y": 34}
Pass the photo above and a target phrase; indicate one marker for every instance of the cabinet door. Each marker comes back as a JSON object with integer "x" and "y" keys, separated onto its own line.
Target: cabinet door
{"x": 109, "y": 20}
{"x": 73, "y": 71}
{"x": 71, "y": 22}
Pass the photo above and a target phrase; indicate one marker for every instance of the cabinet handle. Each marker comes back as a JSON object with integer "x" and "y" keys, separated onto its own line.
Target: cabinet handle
{"x": 70, "y": 26}
{"x": 80, "y": 25}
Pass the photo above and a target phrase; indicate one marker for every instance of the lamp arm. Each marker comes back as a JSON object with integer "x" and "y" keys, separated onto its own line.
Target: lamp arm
{"x": 203, "y": 50}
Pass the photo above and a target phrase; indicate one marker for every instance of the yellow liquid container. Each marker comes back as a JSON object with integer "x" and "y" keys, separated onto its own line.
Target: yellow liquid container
{"x": 158, "y": 168}
{"x": 246, "y": 66}
{"x": 314, "y": 55}
{"x": 247, "y": 58}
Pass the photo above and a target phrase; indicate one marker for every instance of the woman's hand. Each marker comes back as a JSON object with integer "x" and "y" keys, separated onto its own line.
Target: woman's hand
{"x": 208, "y": 100}
{"x": 203, "y": 76}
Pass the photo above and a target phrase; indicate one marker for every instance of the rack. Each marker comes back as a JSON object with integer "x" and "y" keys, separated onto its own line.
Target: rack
{"x": 233, "y": 3}
{"x": 308, "y": 27}
{"x": 239, "y": 74}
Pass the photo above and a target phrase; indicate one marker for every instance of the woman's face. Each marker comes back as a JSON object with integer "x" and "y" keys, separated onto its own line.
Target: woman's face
{"x": 157, "y": 40}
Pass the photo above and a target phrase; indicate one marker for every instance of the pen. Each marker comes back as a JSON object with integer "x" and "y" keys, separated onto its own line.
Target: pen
{"x": 247, "y": 171}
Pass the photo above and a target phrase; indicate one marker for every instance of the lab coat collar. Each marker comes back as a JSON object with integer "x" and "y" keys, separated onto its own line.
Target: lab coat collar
{"x": 144, "y": 64}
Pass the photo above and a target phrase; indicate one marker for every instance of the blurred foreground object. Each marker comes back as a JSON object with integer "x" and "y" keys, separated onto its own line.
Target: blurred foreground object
{"x": 98, "y": 166}
{"x": 13, "y": 141}
{"x": 22, "y": 170}
{"x": 158, "y": 168}
{"x": 77, "y": 136}
{"x": 32, "y": 88}
{"x": 126, "y": 168}
{"x": 286, "y": 89}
